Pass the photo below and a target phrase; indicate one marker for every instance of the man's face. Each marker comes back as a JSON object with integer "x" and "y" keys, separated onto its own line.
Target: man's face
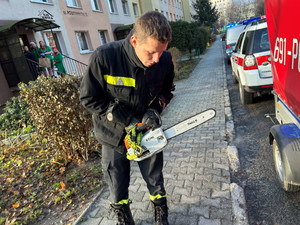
{"x": 149, "y": 50}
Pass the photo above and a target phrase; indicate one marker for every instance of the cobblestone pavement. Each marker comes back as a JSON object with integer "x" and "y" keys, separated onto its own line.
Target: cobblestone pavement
{"x": 196, "y": 169}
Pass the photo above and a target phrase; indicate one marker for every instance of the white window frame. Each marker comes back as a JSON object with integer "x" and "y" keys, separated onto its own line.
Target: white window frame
{"x": 72, "y": 3}
{"x": 135, "y": 9}
{"x": 95, "y": 4}
{"x": 125, "y": 6}
{"x": 112, "y": 6}
{"x": 82, "y": 51}
{"x": 105, "y": 36}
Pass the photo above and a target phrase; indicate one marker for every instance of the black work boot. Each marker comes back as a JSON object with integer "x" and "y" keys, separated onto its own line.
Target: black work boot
{"x": 123, "y": 214}
{"x": 160, "y": 212}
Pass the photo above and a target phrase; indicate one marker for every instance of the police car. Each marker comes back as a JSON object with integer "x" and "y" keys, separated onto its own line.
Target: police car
{"x": 251, "y": 61}
{"x": 232, "y": 34}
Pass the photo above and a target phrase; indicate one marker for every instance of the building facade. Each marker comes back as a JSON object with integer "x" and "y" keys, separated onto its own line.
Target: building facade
{"x": 75, "y": 27}
{"x": 80, "y": 27}
{"x": 188, "y": 10}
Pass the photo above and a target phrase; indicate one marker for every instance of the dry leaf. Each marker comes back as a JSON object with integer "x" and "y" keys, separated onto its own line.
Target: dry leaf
{"x": 10, "y": 180}
{"x": 62, "y": 185}
{"x": 62, "y": 170}
{"x": 15, "y": 206}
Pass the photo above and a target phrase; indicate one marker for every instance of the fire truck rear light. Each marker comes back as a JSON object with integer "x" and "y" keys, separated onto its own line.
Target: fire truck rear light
{"x": 250, "y": 62}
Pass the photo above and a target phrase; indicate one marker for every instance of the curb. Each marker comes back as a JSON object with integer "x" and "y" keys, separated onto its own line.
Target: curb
{"x": 239, "y": 206}
{"x": 81, "y": 216}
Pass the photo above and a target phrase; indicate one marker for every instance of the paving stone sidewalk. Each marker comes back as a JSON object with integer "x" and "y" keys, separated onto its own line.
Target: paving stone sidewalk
{"x": 196, "y": 164}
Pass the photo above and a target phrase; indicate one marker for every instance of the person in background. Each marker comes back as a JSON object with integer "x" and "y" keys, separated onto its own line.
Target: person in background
{"x": 46, "y": 51}
{"x": 130, "y": 81}
{"x": 31, "y": 61}
{"x": 35, "y": 51}
{"x": 58, "y": 60}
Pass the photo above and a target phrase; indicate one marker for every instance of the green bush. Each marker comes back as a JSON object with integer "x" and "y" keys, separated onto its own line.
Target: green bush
{"x": 59, "y": 118}
{"x": 15, "y": 116}
{"x": 188, "y": 36}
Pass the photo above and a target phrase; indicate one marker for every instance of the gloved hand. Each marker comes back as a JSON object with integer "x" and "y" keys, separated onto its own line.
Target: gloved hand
{"x": 133, "y": 141}
{"x": 162, "y": 102}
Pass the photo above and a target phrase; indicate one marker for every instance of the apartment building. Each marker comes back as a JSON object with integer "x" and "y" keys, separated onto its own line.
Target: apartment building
{"x": 171, "y": 9}
{"x": 87, "y": 24}
{"x": 120, "y": 14}
{"x": 75, "y": 27}
{"x": 188, "y": 10}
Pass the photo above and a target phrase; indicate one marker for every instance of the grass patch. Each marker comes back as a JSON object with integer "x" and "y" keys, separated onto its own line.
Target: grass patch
{"x": 33, "y": 187}
{"x": 185, "y": 68}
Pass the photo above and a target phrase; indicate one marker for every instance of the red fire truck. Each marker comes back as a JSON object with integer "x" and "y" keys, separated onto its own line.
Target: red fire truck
{"x": 283, "y": 21}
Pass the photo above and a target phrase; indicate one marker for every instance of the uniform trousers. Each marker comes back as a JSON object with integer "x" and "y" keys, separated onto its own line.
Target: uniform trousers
{"x": 116, "y": 169}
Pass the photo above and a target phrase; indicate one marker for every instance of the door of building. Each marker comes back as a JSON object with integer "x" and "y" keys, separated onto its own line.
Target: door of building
{"x": 13, "y": 61}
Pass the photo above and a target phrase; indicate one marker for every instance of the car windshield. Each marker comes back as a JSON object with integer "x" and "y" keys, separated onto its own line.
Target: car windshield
{"x": 261, "y": 41}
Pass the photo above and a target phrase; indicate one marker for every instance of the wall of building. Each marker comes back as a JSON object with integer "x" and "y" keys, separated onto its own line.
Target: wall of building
{"x": 186, "y": 10}
{"x": 178, "y": 10}
{"x": 134, "y": 18}
{"x": 149, "y": 5}
{"x": 163, "y": 5}
{"x": 119, "y": 17}
{"x": 171, "y": 7}
{"x": 84, "y": 19}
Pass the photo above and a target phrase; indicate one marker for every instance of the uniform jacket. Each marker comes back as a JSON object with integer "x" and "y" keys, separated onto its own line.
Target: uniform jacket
{"x": 116, "y": 81}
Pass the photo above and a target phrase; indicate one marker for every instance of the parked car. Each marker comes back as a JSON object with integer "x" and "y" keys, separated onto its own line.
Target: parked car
{"x": 231, "y": 36}
{"x": 251, "y": 62}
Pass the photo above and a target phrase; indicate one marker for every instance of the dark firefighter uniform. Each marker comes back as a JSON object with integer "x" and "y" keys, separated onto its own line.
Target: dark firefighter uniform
{"x": 116, "y": 89}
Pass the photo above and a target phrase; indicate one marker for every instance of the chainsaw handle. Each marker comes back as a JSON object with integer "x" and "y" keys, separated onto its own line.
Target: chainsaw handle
{"x": 150, "y": 122}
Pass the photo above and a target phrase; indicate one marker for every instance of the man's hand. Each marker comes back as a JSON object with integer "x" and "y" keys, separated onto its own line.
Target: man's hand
{"x": 133, "y": 142}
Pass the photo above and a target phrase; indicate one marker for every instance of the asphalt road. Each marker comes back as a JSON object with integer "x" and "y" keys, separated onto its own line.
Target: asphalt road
{"x": 267, "y": 203}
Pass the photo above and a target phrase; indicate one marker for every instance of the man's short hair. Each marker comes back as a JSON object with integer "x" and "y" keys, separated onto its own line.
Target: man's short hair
{"x": 153, "y": 24}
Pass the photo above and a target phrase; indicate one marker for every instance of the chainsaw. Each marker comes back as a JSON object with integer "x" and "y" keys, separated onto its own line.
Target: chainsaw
{"x": 155, "y": 139}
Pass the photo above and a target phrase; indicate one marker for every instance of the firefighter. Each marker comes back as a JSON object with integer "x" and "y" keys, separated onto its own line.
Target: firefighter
{"x": 125, "y": 82}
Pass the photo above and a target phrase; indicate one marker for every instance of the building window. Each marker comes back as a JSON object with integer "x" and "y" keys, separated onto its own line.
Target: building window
{"x": 135, "y": 9}
{"x": 103, "y": 37}
{"x": 96, "y": 6}
{"x": 72, "y": 3}
{"x": 125, "y": 7}
{"x": 82, "y": 42}
{"x": 112, "y": 6}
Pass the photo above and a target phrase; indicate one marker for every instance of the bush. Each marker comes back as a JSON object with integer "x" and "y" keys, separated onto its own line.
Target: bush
{"x": 175, "y": 57}
{"x": 188, "y": 36}
{"x": 59, "y": 118}
{"x": 15, "y": 115}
